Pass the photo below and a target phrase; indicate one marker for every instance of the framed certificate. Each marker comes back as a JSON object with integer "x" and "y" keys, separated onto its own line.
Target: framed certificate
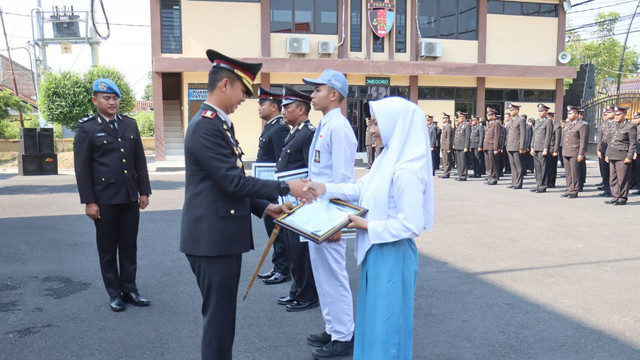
{"x": 288, "y": 176}
{"x": 319, "y": 220}
{"x": 264, "y": 171}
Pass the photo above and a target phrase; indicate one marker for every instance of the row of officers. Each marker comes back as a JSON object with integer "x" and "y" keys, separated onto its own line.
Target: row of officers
{"x": 518, "y": 144}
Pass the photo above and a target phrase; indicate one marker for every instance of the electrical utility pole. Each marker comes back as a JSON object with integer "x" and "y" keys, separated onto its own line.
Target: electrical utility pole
{"x": 13, "y": 74}
{"x": 624, "y": 48}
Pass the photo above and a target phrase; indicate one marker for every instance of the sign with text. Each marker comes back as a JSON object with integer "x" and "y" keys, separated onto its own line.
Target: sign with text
{"x": 198, "y": 94}
{"x": 381, "y": 17}
{"x": 378, "y": 81}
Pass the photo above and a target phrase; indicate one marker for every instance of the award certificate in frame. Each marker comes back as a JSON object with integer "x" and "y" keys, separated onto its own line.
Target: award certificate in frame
{"x": 319, "y": 220}
{"x": 288, "y": 176}
{"x": 264, "y": 171}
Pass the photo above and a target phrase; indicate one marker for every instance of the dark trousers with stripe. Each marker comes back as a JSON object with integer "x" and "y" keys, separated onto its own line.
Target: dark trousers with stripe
{"x": 541, "y": 169}
{"x": 117, "y": 238}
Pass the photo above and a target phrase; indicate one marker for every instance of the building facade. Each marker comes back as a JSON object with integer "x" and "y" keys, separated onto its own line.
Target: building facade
{"x": 445, "y": 55}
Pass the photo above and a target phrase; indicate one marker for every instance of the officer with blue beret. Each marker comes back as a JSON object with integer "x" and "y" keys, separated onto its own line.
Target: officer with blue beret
{"x": 113, "y": 183}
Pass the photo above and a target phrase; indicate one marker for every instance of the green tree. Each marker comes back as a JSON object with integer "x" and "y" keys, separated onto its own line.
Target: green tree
{"x": 148, "y": 89}
{"x": 65, "y": 97}
{"x": 604, "y": 51}
{"x": 9, "y": 102}
{"x": 146, "y": 123}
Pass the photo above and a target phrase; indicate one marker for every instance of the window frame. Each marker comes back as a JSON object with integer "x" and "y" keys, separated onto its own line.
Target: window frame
{"x": 438, "y": 22}
{"x": 314, "y": 15}
{"x": 171, "y": 48}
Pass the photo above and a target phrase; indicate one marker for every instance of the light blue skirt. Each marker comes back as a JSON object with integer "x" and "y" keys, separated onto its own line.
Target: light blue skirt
{"x": 384, "y": 315}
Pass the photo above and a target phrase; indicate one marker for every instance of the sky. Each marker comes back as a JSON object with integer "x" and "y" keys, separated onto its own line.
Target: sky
{"x": 128, "y": 48}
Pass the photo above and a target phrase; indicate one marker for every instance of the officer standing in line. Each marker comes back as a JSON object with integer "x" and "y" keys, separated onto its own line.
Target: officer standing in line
{"x": 476, "y": 141}
{"x": 461, "y": 145}
{"x": 433, "y": 135}
{"x": 620, "y": 153}
{"x": 516, "y": 136}
{"x": 527, "y": 159}
{"x": 295, "y": 155}
{"x": 446, "y": 143}
{"x": 541, "y": 143}
{"x": 603, "y": 143}
{"x": 554, "y": 148}
{"x": 583, "y": 164}
{"x": 491, "y": 147}
{"x": 574, "y": 148}
{"x": 437, "y": 154}
{"x": 504, "y": 159}
{"x": 219, "y": 200}
{"x": 113, "y": 182}
{"x": 269, "y": 149}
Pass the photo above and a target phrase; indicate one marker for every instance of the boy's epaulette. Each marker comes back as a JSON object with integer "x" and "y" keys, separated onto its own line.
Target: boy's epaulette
{"x": 86, "y": 118}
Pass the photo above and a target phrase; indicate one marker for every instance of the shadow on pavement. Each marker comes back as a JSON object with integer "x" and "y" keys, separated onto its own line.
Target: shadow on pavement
{"x": 71, "y": 188}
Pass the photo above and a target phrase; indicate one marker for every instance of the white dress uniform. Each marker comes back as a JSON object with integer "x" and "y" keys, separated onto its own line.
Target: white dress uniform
{"x": 331, "y": 160}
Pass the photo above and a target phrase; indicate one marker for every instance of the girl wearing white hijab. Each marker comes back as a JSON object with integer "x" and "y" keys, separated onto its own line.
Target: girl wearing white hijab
{"x": 398, "y": 191}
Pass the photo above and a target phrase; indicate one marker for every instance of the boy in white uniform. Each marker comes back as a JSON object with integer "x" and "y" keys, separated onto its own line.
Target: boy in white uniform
{"x": 332, "y": 159}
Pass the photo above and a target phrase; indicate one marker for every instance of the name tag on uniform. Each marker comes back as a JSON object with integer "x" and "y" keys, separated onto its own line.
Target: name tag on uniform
{"x": 101, "y": 134}
{"x": 316, "y": 156}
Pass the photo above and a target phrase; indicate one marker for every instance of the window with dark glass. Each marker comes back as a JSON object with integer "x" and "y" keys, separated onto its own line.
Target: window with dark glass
{"x": 304, "y": 16}
{"x": 448, "y": 19}
{"x": 249, "y": 1}
{"x": 401, "y": 26}
{"x": 516, "y": 95}
{"x": 378, "y": 44}
{"x": 521, "y": 8}
{"x": 170, "y": 27}
{"x": 356, "y": 26}
{"x": 446, "y": 93}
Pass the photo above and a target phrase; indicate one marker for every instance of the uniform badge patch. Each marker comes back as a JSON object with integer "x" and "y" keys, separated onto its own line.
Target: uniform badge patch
{"x": 101, "y": 134}
{"x": 316, "y": 157}
{"x": 209, "y": 114}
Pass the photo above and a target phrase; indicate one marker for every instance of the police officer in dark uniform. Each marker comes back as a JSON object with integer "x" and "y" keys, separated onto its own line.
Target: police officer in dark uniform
{"x": 476, "y": 141}
{"x": 603, "y": 143}
{"x": 113, "y": 182}
{"x": 461, "y": 145}
{"x": 433, "y": 138}
{"x": 446, "y": 142}
{"x": 554, "y": 149}
{"x": 269, "y": 149}
{"x": 516, "y": 137}
{"x": 541, "y": 142}
{"x": 295, "y": 155}
{"x": 620, "y": 153}
{"x": 574, "y": 148}
{"x": 492, "y": 147}
{"x": 219, "y": 201}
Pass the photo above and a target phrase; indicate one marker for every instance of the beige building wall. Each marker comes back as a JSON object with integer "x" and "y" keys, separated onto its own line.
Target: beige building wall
{"x": 514, "y": 83}
{"x": 201, "y": 18}
{"x": 436, "y": 108}
{"x": 460, "y": 51}
{"x": 515, "y": 40}
{"x": 531, "y": 108}
{"x": 454, "y": 81}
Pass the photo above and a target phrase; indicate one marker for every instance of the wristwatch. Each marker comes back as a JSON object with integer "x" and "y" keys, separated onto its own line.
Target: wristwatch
{"x": 284, "y": 188}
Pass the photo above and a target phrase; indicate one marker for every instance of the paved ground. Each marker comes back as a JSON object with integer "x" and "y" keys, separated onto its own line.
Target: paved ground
{"x": 506, "y": 274}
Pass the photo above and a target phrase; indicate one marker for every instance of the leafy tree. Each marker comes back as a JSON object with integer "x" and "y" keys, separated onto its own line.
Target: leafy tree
{"x": 604, "y": 51}
{"x": 65, "y": 98}
{"x": 8, "y": 102}
{"x": 148, "y": 89}
{"x": 146, "y": 123}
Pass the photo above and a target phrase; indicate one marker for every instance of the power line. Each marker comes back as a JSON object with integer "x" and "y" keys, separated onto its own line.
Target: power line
{"x": 602, "y": 7}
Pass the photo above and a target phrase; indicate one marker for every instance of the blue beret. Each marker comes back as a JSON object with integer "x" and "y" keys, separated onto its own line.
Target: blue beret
{"x": 106, "y": 86}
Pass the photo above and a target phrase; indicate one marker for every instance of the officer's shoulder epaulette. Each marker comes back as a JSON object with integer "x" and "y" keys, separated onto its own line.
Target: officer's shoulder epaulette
{"x": 281, "y": 121}
{"x": 311, "y": 127}
{"x": 86, "y": 118}
{"x": 209, "y": 114}
{"x": 126, "y": 117}
{"x": 583, "y": 122}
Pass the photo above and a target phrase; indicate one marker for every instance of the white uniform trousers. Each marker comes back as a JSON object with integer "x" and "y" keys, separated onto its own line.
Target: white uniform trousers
{"x": 328, "y": 261}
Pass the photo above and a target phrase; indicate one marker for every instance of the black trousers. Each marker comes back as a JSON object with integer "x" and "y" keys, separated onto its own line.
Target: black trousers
{"x": 478, "y": 162}
{"x": 281, "y": 253}
{"x": 435, "y": 159}
{"x": 217, "y": 278}
{"x": 462, "y": 163}
{"x": 635, "y": 177}
{"x": 303, "y": 287}
{"x": 541, "y": 169}
{"x": 605, "y": 173}
{"x": 583, "y": 172}
{"x": 117, "y": 238}
{"x": 517, "y": 171}
{"x": 552, "y": 165}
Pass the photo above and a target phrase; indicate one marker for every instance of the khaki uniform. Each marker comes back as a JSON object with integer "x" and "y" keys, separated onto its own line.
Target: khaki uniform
{"x": 516, "y": 138}
{"x": 540, "y": 144}
{"x": 446, "y": 143}
{"x": 491, "y": 144}
{"x": 574, "y": 144}
{"x": 623, "y": 138}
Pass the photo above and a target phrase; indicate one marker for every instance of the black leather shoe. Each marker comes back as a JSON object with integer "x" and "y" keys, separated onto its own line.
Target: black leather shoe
{"x": 541, "y": 190}
{"x": 444, "y": 176}
{"x": 565, "y": 195}
{"x": 302, "y": 305}
{"x": 551, "y": 186}
{"x": 517, "y": 187}
{"x": 319, "y": 340}
{"x": 492, "y": 183}
{"x": 572, "y": 196}
{"x": 285, "y": 300}
{"x": 510, "y": 187}
{"x": 619, "y": 202}
{"x": 601, "y": 187}
{"x": 134, "y": 298}
{"x": 116, "y": 303}
{"x": 461, "y": 179}
{"x": 334, "y": 349}
{"x": 534, "y": 190}
{"x": 277, "y": 279}
{"x": 267, "y": 274}
{"x": 605, "y": 194}
{"x": 600, "y": 184}
{"x": 609, "y": 202}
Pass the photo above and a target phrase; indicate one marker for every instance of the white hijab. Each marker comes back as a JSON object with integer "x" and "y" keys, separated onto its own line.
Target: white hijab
{"x": 404, "y": 134}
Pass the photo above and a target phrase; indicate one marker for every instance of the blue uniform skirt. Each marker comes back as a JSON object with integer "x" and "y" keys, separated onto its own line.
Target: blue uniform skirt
{"x": 384, "y": 315}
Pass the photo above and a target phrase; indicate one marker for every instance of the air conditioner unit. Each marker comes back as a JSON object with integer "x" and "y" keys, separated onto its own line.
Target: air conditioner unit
{"x": 430, "y": 48}
{"x": 297, "y": 45}
{"x": 325, "y": 47}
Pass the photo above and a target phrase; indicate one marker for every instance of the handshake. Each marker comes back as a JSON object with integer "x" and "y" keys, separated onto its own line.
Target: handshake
{"x": 304, "y": 190}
